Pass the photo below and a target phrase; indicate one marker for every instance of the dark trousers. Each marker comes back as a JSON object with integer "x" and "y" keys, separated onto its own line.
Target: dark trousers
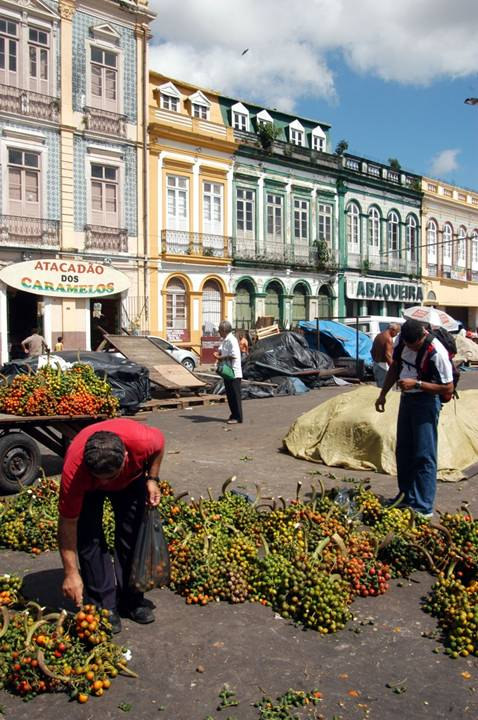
{"x": 106, "y": 581}
{"x": 233, "y": 392}
{"x": 417, "y": 447}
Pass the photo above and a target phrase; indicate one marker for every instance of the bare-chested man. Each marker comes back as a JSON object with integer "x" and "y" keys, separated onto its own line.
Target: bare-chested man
{"x": 382, "y": 351}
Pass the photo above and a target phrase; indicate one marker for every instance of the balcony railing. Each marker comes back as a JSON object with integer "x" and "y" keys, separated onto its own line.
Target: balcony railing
{"x": 279, "y": 253}
{"x": 106, "y": 239}
{"x": 180, "y": 242}
{"x": 29, "y": 232}
{"x": 382, "y": 263}
{"x": 108, "y": 123}
{"x": 28, "y": 103}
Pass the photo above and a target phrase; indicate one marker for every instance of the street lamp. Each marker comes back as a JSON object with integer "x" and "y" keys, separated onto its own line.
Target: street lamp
{"x": 471, "y": 101}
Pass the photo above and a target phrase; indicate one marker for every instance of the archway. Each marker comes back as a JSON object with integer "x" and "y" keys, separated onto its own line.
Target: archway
{"x": 176, "y": 311}
{"x": 299, "y": 303}
{"x": 244, "y": 316}
{"x": 324, "y": 305}
{"x": 274, "y": 302}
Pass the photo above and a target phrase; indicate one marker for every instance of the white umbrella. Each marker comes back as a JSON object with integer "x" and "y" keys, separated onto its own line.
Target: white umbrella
{"x": 436, "y": 318}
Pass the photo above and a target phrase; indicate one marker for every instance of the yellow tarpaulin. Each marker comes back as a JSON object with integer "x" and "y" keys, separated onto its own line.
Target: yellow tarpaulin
{"x": 346, "y": 431}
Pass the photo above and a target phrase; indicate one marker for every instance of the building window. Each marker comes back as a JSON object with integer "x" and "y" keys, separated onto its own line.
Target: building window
{"x": 104, "y": 195}
{"x": 318, "y": 143}
{"x": 240, "y": 121}
{"x": 461, "y": 247}
{"x": 211, "y": 307}
{"x": 199, "y": 111}
{"x": 38, "y": 54}
{"x": 374, "y": 231}
{"x": 412, "y": 237}
{"x": 474, "y": 250}
{"x": 274, "y": 217}
{"x": 212, "y": 208}
{"x": 393, "y": 231}
{"x": 301, "y": 220}
{"x": 447, "y": 253}
{"x": 104, "y": 79}
{"x": 297, "y": 137}
{"x": 8, "y": 52}
{"x": 23, "y": 183}
{"x": 176, "y": 315}
{"x": 168, "y": 102}
{"x": 325, "y": 223}
{"x": 245, "y": 213}
{"x": 432, "y": 233}
{"x": 178, "y": 202}
{"x": 353, "y": 228}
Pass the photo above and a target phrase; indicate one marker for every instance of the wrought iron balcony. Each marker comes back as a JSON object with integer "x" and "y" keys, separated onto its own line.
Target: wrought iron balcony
{"x": 279, "y": 253}
{"x": 106, "y": 239}
{"x": 180, "y": 242}
{"x": 28, "y": 103}
{"x": 107, "y": 123}
{"x": 29, "y": 232}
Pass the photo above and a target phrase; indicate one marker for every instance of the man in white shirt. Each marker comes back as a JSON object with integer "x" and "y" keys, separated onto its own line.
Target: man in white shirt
{"x": 230, "y": 354}
{"x": 424, "y": 374}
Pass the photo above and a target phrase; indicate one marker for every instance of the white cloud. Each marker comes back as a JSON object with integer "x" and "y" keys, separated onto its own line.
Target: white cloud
{"x": 289, "y": 43}
{"x": 444, "y": 162}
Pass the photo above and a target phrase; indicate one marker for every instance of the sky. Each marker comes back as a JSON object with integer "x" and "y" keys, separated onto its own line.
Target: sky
{"x": 390, "y": 76}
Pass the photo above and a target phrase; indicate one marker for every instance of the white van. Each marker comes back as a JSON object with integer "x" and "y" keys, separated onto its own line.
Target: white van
{"x": 372, "y": 325}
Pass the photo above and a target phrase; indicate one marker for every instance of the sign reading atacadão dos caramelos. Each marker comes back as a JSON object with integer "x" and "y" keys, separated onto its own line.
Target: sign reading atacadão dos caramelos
{"x": 65, "y": 278}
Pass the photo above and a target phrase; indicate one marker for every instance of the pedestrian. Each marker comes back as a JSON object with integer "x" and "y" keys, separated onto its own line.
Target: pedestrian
{"x": 382, "y": 351}
{"x": 117, "y": 459}
{"x": 34, "y": 345}
{"x": 230, "y": 354}
{"x": 243, "y": 345}
{"x": 59, "y": 344}
{"x": 424, "y": 374}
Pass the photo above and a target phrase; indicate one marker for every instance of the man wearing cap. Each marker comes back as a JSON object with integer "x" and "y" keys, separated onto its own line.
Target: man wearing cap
{"x": 117, "y": 459}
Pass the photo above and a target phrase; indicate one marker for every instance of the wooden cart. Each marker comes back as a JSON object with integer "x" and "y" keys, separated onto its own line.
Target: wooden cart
{"x": 20, "y": 456}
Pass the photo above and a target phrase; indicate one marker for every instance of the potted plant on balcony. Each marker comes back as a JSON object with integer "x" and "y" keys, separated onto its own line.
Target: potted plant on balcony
{"x": 323, "y": 256}
{"x": 267, "y": 134}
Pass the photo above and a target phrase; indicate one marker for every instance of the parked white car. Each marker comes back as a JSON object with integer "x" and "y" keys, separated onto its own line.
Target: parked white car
{"x": 188, "y": 359}
{"x": 372, "y": 325}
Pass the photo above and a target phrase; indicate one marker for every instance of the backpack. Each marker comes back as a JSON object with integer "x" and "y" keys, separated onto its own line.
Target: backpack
{"x": 422, "y": 361}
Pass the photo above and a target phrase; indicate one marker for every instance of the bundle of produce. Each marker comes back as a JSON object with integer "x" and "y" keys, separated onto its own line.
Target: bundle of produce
{"x": 52, "y": 391}
{"x": 9, "y": 589}
{"x": 29, "y": 520}
{"x": 58, "y": 652}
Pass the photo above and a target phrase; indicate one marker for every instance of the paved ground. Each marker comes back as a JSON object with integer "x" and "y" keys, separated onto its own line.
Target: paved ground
{"x": 247, "y": 646}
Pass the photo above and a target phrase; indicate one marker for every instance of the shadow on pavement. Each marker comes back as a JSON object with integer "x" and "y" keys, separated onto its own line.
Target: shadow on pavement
{"x": 203, "y": 418}
{"x": 44, "y": 587}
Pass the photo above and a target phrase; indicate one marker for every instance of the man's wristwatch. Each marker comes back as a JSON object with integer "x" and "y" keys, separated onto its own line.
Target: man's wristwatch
{"x": 418, "y": 385}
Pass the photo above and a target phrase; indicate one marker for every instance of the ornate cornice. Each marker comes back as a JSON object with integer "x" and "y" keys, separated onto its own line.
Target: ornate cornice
{"x": 67, "y": 9}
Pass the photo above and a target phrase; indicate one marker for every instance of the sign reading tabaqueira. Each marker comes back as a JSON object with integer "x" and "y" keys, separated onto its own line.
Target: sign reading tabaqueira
{"x": 384, "y": 290}
{"x": 65, "y": 278}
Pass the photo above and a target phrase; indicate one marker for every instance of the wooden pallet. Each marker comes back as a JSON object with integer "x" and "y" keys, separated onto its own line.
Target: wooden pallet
{"x": 267, "y": 331}
{"x": 180, "y": 402}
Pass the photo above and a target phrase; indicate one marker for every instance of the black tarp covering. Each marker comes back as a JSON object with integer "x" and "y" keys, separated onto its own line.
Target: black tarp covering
{"x": 287, "y": 354}
{"x": 129, "y": 382}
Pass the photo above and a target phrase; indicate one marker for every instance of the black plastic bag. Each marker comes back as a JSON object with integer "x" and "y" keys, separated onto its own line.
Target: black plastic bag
{"x": 150, "y": 567}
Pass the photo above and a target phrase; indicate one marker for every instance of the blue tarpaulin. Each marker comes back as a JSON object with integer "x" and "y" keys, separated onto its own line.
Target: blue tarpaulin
{"x": 337, "y": 339}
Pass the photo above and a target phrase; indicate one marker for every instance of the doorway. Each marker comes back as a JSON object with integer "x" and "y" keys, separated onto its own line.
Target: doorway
{"x": 24, "y": 315}
{"x": 109, "y": 311}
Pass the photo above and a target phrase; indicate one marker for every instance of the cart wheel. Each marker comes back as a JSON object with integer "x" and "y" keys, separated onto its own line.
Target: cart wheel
{"x": 19, "y": 462}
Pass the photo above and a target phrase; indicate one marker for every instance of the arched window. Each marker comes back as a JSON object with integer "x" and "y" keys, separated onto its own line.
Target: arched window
{"x": 176, "y": 309}
{"x": 324, "y": 309}
{"x": 353, "y": 228}
{"x": 447, "y": 244}
{"x": 393, "y": 234}
{"x": 374, "y": 231}
{"x": 244, "y": 305}
{"x": 211, "y": 307}
{"x": 273, "y": 304}
{"x": 412, "y": 238}
{"x": 432, "y": 233}
{"x": 461, "y": 247}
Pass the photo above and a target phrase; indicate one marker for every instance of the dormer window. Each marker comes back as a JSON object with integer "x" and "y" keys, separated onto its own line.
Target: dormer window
{"x": 318, "y": 139}
{"x": 200, "y": 105}
{"x": 240, "y": 117}
{"x": 263, "y": 118}
{"x": 297, "y": 134}
{"x": 169, "y": 97}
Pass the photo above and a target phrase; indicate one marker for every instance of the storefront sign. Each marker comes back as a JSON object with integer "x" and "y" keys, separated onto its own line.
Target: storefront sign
{"x": 65, "y": 278}
{"x": 367, "y": 289}
{"x": 177, "y": 336}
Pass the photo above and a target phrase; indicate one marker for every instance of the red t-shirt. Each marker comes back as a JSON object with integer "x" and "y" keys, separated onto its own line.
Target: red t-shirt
{"x": 140, "y": 442}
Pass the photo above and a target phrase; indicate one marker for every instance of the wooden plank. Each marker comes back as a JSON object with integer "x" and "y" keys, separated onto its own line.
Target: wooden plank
{"x": 163, "y": 369}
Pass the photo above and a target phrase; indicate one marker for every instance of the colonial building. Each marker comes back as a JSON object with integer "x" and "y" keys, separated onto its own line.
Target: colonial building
{"x": 285, "y": 216}
{"x": 72, "y": 238}
{"x": 450, "y": 250}
{"x": 191, "y": 211}
{"x": 380, "y": 231}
